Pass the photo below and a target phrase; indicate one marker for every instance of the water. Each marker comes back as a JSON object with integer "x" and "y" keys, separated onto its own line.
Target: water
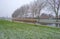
{"x": 52, "y": 25}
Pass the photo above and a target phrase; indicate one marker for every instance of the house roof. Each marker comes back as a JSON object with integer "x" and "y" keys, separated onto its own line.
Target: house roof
{"x": 46, "y": 16}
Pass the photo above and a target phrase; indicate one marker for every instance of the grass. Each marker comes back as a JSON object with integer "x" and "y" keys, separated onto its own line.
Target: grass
{"x": 15, "y": 30}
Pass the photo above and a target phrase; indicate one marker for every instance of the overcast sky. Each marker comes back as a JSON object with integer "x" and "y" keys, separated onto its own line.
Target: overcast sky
{"x": 7, "y": 7}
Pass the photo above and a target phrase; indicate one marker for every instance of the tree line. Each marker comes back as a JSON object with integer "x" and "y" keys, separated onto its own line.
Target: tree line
{"x": 34, "y": 9}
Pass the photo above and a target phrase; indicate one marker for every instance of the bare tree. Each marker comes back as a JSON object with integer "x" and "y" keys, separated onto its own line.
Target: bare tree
{"x": 20, "y": 12}
{"x": 34, "y": 9}
{"x": 16, "y": 13}
{"x": 40, "y": 5}
{"x": 55, "y": 5}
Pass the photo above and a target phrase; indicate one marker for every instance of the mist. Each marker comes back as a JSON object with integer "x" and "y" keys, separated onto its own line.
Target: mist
{"x": 7, "y": 7}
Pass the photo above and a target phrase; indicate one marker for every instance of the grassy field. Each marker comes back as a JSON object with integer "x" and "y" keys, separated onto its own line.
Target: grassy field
{"x": 15, "y": 30}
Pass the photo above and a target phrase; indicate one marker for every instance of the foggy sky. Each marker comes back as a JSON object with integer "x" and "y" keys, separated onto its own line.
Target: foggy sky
{"x": 7, "y": 7}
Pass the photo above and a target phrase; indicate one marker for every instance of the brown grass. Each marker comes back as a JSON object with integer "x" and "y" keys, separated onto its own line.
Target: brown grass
{"x": 24, "y": 20}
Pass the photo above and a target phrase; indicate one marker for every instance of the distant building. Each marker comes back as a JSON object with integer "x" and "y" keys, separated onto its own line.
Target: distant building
{"x": 57, "y": 18}
{"x": 46, "y": 16}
